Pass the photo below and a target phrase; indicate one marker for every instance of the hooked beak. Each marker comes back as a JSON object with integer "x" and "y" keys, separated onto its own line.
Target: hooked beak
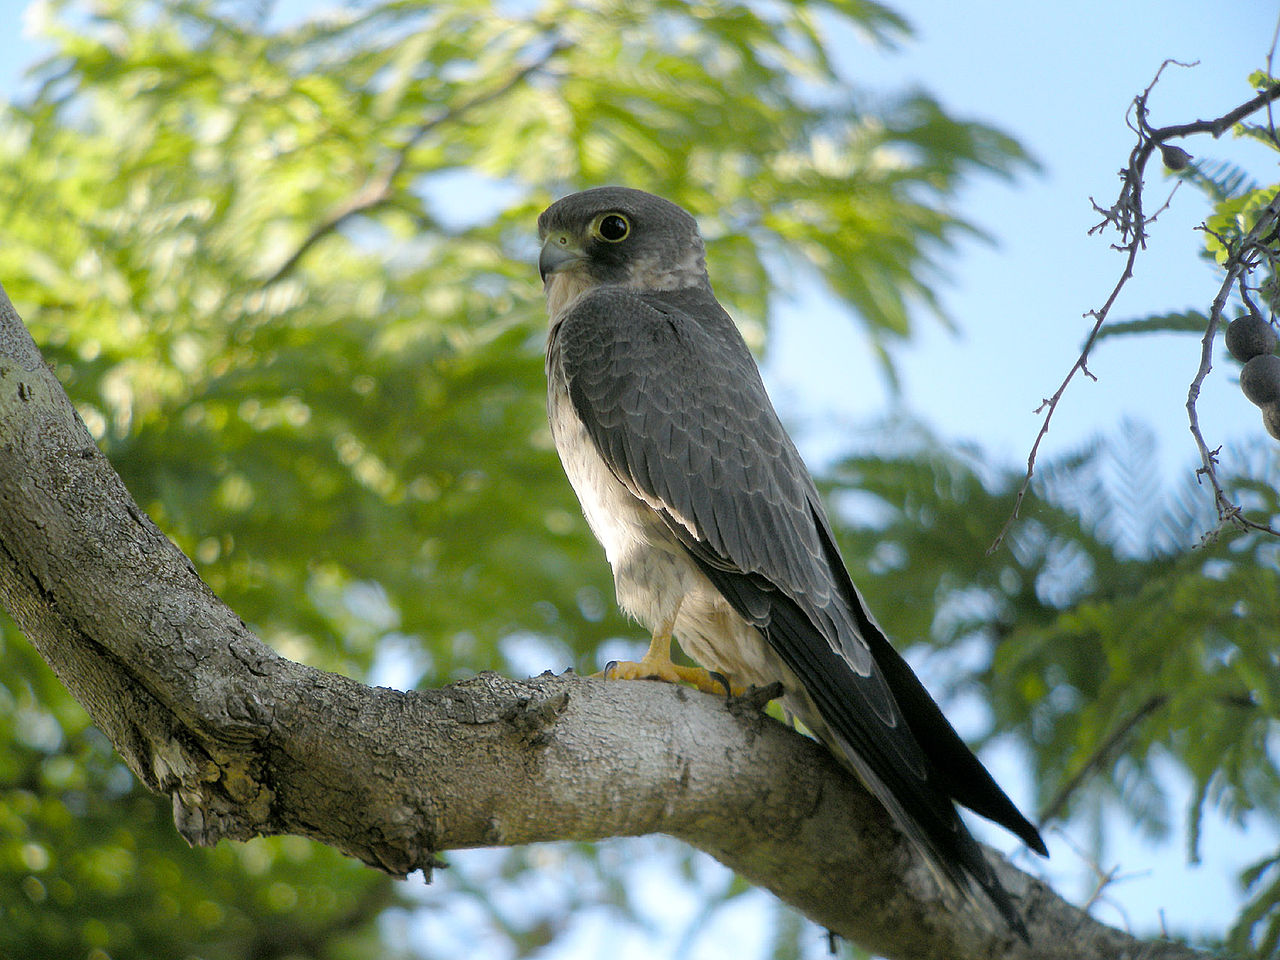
{"x": 558, "y": 252}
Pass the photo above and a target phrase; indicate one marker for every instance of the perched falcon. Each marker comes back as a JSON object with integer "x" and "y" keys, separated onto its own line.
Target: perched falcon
{"x": 713, "y": 527}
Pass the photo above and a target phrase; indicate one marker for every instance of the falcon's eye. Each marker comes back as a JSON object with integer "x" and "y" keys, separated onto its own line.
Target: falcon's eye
{"x": 612, "y": 227}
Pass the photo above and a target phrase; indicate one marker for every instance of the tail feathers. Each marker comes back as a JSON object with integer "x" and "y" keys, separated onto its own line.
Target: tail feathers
{"x": 955, "y": 858}
{"x": 958, "y": 770}
{"x": 960, "y": 773}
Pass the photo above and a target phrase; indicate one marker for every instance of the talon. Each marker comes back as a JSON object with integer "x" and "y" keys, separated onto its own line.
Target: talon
{"x": 656, "y": 665}
{"x": 758, "y": 698}
{"x": 667, "y": 672}
{"x": 753, "y": 700}
{"x": 606, "y": 673}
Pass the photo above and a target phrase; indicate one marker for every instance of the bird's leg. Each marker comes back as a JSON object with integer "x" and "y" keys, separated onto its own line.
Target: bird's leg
{"x": 656, "y": 664}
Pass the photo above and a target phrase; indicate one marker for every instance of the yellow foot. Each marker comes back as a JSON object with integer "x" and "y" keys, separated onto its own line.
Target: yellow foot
{"x": 664, "y": 669}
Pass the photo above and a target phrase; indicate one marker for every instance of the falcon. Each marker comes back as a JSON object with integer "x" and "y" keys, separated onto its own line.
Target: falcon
{"x": 713, "y": 527}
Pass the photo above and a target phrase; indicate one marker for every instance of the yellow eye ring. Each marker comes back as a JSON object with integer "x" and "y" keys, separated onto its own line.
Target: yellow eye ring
{"x": 611, "y": 227}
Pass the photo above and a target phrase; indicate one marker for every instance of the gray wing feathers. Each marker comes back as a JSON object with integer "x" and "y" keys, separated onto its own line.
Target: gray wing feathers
{"x": 677, "y": 409}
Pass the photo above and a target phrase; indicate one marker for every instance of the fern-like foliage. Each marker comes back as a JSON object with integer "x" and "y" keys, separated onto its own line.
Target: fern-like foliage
{"x": 1188, "y": 321}
{"x": 1107, "y": 641}
{"x": 1220, "y": 179}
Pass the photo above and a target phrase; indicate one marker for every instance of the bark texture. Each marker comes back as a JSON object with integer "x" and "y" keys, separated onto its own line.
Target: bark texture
{"x": 248, "y": 743}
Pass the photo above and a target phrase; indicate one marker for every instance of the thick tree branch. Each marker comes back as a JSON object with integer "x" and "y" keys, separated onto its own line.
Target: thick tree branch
{"x": 248, "y": 743}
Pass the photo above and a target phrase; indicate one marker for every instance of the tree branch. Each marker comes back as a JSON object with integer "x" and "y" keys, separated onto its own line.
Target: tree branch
{"x": 1243, "y": 257}
{"x": 247, "y": 743}
{"x": 1127, "y": 218}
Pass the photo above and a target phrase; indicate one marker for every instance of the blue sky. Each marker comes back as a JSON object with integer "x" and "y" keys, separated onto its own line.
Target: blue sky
{"x": 1059, "y": 77}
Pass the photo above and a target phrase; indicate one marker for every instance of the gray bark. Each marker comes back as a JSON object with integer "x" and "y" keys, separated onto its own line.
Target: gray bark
{"x": 248, "y": 743}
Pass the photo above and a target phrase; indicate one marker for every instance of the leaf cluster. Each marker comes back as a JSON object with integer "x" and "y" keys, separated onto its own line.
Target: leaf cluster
{"x": 1100, "y": 640}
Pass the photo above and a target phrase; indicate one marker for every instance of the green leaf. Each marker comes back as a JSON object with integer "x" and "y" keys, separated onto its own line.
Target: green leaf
{"x": 1190, "y": 321}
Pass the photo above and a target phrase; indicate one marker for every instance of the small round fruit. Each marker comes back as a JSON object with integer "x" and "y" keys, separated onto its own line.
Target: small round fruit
{"x": 1250, "y": 336}
{"x": 1260, "y": 380}
{"x": 1271, "y": 419}
{"x": 1175, "y": 158}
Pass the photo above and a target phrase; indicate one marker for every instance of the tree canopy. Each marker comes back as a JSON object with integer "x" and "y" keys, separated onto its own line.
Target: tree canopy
{"x": 283, "y": 270}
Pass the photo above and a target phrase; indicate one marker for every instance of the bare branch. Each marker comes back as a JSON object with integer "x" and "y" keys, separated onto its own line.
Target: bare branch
{"x": 1216, "y": 127}
{"x": 1237, "y": 265}
{"x": 1271, "y": 56}
{"x": 1127, "y": 218}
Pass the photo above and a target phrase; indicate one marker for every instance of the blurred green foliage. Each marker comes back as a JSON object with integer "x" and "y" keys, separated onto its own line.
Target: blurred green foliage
{"x": 1099, "y": 638}
{"x": 283, "y": 268}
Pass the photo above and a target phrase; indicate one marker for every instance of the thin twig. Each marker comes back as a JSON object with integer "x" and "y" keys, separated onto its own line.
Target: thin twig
{"x": 377, "y": 189}
{"x": 1050, "y": 404}
{"x": 1127, "y": 218}
{"x": 1103, "y": 880}
{"x": 1237, "y": 265}
{"x": 1053, "y": 809}
{"x": 1216, "y": 127}
{"x": 1271, "y": 56}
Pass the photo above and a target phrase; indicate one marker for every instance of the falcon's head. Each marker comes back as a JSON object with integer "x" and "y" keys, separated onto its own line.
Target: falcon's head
{"x": 616, "y": 236}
